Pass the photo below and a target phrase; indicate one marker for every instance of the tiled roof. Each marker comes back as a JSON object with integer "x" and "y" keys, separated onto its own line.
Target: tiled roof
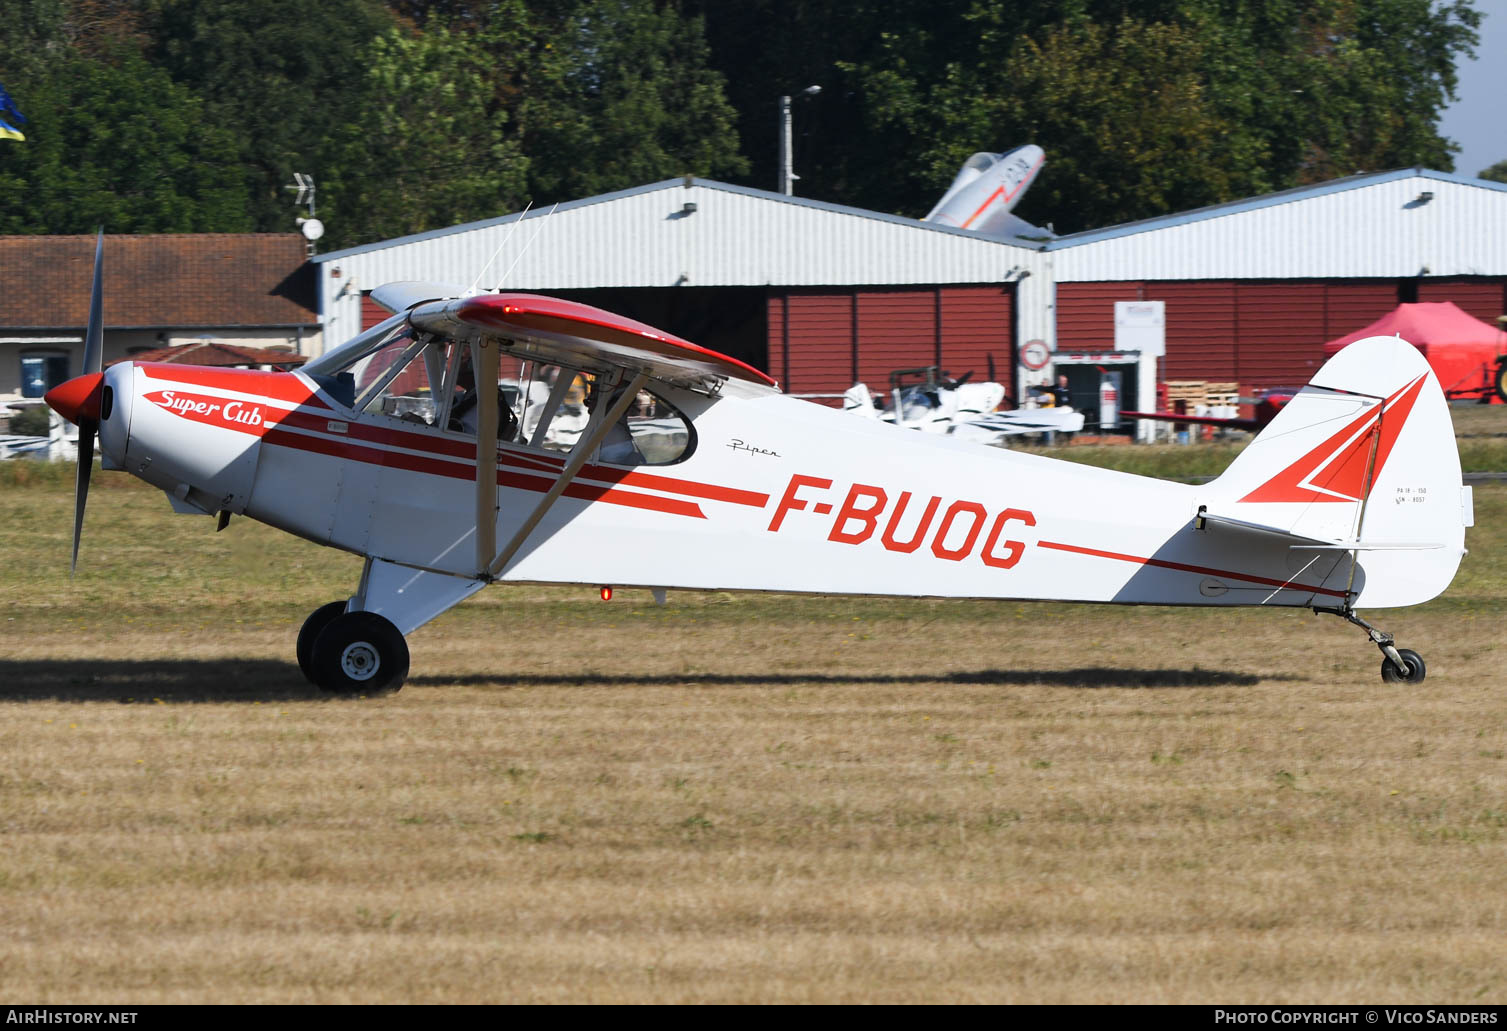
{"x": 214, "y": 353}
{"x": 173, "y": 281}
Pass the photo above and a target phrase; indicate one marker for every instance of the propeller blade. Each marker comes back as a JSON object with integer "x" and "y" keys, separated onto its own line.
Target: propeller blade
{"x": 94, "y": 337}
{"x": 88, "y": 425}
{"x": 86, "y": 431}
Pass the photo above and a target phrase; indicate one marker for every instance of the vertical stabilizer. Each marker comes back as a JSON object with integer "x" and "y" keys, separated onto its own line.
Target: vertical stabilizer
{"x": 1363, "y": 459}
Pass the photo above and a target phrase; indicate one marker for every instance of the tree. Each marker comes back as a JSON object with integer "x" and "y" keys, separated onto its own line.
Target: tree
{"x": 1497, "y": 173}
{"x": 283, "y": 75}
{"x": 1128, "y": 112}
{"x": 616, "y": 93}
{"x": 116, "y": 143}
{"x": 436, "y": 143}
{"x": 1280, "y": 93}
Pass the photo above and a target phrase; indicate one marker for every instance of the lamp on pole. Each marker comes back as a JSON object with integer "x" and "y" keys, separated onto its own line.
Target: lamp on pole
{"x": 787, "y": 158}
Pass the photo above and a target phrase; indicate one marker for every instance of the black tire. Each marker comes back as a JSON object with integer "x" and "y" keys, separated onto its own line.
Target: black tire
{"x": 360, "y": 653}
{"x": 1416, "y": 669}
{"x": 1501, "y": 380}
{"x": 309, "y": 632}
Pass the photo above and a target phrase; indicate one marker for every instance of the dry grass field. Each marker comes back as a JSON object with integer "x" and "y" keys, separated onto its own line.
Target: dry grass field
{"x": 729, "y": 798}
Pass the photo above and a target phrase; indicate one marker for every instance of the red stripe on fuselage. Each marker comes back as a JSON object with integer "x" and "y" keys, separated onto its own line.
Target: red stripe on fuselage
{"x": 279, "y": 386}
{"x": 435, "y": 449}
{"x": 543, "y": 462}
{"x": 1186, "y": 568}
{"x": 356, "y": 452}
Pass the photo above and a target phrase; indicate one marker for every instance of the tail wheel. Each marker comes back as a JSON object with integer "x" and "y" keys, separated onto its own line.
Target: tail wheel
{"x": 1415, "y": 671}
{"x": 309, "y": 633}
{"x": 359, "y": 653}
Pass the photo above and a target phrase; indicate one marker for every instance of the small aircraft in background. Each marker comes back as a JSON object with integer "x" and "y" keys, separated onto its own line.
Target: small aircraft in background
{"x": 494, "y": 438}
{"x": 927, "y": 399}
{"x": 986, "y": 190}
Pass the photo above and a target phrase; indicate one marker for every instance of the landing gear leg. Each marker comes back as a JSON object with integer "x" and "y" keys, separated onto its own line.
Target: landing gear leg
{"x": 1399, "y": 665}
{"x": 356, "y": 647}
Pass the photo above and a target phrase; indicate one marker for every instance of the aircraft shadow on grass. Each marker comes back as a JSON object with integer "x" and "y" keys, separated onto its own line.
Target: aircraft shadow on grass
{"x": 178, "y": 681}
{"x": 1087, "y": 677}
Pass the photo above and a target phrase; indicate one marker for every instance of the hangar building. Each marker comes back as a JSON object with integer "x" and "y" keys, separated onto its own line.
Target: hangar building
{"x": 821, "y": 295}
{"x": 158, "y": 291}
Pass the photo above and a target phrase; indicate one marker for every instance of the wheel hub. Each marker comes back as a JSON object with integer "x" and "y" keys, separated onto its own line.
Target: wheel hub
{"x": 360, "y": 661}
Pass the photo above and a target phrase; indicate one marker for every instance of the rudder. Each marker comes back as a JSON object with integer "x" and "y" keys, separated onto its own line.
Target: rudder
{"x": 1363, "y": 459}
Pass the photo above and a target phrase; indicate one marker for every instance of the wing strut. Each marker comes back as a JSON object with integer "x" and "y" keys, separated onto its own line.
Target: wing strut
{"x": 485, "y": 364}
{"x": 584, "y": 448}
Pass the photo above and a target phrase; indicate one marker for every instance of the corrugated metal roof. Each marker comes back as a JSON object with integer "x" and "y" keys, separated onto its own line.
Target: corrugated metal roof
{"x": 1371, "y": 226}
{"x": 1265, "y": 200}
{"x": 704, "y": 234}
{"x": 667, "y": 184}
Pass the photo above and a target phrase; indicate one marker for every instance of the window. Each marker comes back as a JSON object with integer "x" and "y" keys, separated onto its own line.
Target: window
{"x": 432, "y": 381}
{"x": 41, "y": 372}
{"x": 660, "y": 434}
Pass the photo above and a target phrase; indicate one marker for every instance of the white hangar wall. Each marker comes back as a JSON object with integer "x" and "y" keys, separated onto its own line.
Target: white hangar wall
{"x": 1254, "y": 288}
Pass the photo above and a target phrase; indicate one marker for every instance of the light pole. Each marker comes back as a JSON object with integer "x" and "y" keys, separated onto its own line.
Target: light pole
{"x": 787, "y": 158}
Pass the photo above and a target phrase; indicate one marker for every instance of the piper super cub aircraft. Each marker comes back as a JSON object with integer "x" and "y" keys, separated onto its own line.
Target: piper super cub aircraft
{"x": 598, "y": 450}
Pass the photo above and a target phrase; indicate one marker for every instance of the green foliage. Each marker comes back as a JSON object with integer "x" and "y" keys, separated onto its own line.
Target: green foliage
{"x": 282, "y": 75}
{"x": 1129, "y": 115}
{"x": 192, "y": 115}
{"x": 1142, "y": 108}
{"x": 1496, "y": 173}
{"x": 116, "y": 143}
{"x": 620, "y": 93}
{"x": 437, "y": 143}
{"x": 31, "y": 421}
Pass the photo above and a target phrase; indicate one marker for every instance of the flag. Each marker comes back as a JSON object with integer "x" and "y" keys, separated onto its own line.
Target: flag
{"x": 9, "y": 111}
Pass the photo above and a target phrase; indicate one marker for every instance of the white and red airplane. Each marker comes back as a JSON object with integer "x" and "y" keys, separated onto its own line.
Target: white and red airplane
{"x": 985, "y": 191}
{"x": 601, "y": 451}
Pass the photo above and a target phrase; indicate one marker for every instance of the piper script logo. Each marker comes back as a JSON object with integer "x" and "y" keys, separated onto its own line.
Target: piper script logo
{"x": 203, "y": 408}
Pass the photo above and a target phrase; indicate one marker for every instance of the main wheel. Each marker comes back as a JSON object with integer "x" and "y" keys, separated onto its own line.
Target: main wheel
{"x": 360, "y": 653}
{"x": 309, "y": 633}
{"x": 1502, "y": 380}
{"x": 1416, "y": 669}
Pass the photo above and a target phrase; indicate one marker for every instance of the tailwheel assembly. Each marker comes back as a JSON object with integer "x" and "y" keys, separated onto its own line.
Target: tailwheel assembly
{"x": 1398, "y": 665}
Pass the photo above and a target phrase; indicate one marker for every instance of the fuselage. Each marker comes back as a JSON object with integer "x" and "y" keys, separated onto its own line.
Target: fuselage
{"x": 773, "y": 494}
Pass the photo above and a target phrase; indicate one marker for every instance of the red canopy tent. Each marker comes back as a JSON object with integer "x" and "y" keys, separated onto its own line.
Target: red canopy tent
{"x": 1461, "y": 349}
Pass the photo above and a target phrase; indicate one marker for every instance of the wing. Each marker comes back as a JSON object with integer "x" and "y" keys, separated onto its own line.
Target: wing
{"x": 551, "y": 329}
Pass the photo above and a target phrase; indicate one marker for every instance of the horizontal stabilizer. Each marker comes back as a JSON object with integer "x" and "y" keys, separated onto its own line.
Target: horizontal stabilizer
{"x": 1374, "y": 546}
{"x": 1316, "y": 544}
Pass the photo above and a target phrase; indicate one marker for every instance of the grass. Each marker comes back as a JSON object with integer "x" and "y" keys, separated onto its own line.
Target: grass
{"x": 728, "y": 798}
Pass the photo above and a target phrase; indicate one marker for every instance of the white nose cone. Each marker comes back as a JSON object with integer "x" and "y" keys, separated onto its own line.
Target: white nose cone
{"x": 986, "y": 188}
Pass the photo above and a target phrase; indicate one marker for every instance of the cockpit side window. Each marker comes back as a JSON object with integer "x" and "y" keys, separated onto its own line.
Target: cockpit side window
{"x": 431, "y": 380}
{"x": 549, "y": 406}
